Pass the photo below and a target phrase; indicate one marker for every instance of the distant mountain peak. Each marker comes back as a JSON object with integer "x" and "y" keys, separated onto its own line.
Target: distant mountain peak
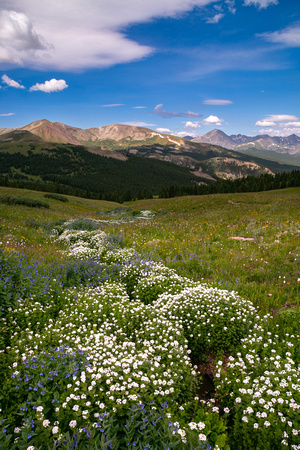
{"x": 123, "y": 137}
{"x": 215, "y": 137}
{"x": 215, "y": 132}
{"x": 242, "y": 143}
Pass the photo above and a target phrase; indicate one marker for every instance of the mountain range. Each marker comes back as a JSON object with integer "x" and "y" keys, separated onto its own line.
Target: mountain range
{"x": 275, "y": 147}
{"x": 109, "y": 137}
{"x": 208, "y": 158}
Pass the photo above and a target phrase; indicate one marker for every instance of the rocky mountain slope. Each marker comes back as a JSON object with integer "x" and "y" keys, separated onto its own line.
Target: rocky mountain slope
{"x": 205, "y": 160}
{"x": 289, "y": 145}
{"x": 109, "y": 137}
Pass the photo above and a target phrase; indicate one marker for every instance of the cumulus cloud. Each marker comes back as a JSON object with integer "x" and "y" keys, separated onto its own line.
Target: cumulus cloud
{"x": 280, "y": 125}
{"x": 293, "y": 124}
{"x": 17, "y": 31}
{"x": 289, "y": 36}
{"x": 282, "y": 117}
{"x": 6, "y": 56}
{"x": 7, "y": 114}
{"x": 11, "y": 83}
{"x": 50, "y": 86}
{"x": 213, "y": 120}
{"x": 216, "y": 18}
{"x": 164, "y": 130}
{"x": 191, "y": 125}
{"x": 261, "y": 4}
{"x": 280, "y": 132}
{"x": 276, "y": 119}
{"x": 264, "y": 123}
{"x": 217, "y": 102}
{"x": 168, "y": 115}
{"x": 17, "y": 36}
{"x": 80, "y": 34}
{"x": 184, "y": 133}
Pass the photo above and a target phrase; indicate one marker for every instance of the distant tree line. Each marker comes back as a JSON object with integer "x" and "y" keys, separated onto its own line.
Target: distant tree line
{"x": 72, "y": 170}
{"x": 118, "y": 197}
{"x": 266, "y": 182}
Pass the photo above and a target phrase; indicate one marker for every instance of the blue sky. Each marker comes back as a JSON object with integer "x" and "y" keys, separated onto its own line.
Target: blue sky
{"x": 177, "y": 66}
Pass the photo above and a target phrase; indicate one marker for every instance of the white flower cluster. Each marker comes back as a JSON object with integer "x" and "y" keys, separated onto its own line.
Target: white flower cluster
{"x": 210, "y": 317}
{"x": 135, "y": 338}
{"x": 84, "y": 244}
{"x": 263, "y": 382}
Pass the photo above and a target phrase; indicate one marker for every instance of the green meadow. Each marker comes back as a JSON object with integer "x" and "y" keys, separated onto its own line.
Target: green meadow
{"x": 246, "y": 242}
{"x": 113, "y": 316}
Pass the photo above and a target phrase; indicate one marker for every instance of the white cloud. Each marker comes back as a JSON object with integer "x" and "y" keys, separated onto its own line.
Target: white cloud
{"x": 280, "y": 125}
{"x": 181, "y": 133}
{"x": 281, "y": 132}
{"x": 139, "y": 107}
{"x": 217, "y": 102}
{"x": 293, "y": 124}
{"x": 289, "y": 36}
{"x": 216, "y": 18}
{"x": 164, "y": 130}
{"x": 50, "y": 86}
{"x": 112, "y": 105}
{"x": 6, "y": 56}
{"x": 213, "y": 120}
{"x": 260, "y": 3}
{"x": 264, "y": 123}
{"x": 11, "y": 83}
{"x": 185, "y": 133}
{"x": 231, "y": 4}
{"x": 7, "y": 114}
{"x": 139, "y": 124}
{"x": 80, "y": 34}
{"x": 282, "y": 117}
{"x": 191, "y": 125}
{"x": 270, "y": 119}
{"x": 17, "y": 31}
{"x": 168, "y": 115}
{"x": 17, "y": 36}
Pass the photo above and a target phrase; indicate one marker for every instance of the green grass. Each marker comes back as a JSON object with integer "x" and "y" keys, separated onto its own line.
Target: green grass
{"x": 194, "y": 235}
{"x": 27, "y": 229}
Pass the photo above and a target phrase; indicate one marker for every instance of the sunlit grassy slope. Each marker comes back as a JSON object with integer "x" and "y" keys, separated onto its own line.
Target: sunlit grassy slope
{"x": 246, "y": 242}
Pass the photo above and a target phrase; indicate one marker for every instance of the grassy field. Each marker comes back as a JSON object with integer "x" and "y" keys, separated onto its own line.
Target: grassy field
{"x": 246, "y": 242}
{"x": 114, "y": 316}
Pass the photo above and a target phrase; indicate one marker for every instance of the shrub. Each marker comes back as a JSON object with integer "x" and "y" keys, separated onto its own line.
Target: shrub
{"x": 24, "y": 200}
{"x": 115, "y": 241}
{"x": 59, "y": 197}
{"x": 82, "y": 224}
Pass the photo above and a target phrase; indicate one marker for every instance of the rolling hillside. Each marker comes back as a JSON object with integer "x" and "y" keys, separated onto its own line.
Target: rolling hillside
{"x": 115, "y": 159}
